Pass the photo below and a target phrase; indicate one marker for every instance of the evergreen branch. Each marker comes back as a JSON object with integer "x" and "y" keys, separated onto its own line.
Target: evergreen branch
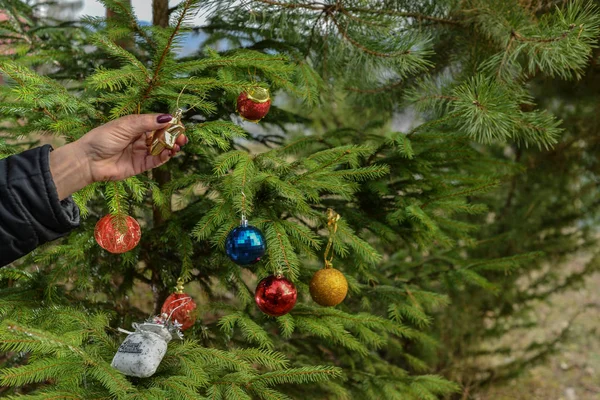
{"x": 299, "y": 375}
{"x": 340, "y": 7}
{"x": 438, "y": 96}
{"x": 38, "y": 371}
{"x": 116, "y": 383}
{"x": 283, "y": 253}
{"x": 159, "y": 65}
{"x": 293, "y": 5}
{"x": 434, "y": 122}
{"x": 268, "y": 358}
{"x": 174, "y": 32}
{"x": 205, "y": 228}
{"x": 122, "y": 53}
{"x": 45, "y": 341}
{"x": 469, "y": 191}
{"x": 312, "y": 33}
{"x": 321, "y": 167}
{"x": 222, "y": 358}
{"x": 562, "y": 36}
{"x": 365, "y": 49}
{"x": 417, "y": 16}
{"x": 377, "y": 90}
{"x": 358, "y": 19}
{"x": 134, "y": 23}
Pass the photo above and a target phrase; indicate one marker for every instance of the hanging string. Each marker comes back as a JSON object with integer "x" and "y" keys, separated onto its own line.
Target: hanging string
{"x": 243, "y": 206}
{"x": 252, "y": 75}
{"x": 332, "y": 226}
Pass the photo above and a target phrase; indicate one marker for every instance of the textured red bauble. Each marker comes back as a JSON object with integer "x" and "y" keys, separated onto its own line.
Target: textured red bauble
{"x": 181, "y": 306}
{"x": 115, "y": 240}
{"x": 254, "y": 104}
{"x": 275, "y": 295}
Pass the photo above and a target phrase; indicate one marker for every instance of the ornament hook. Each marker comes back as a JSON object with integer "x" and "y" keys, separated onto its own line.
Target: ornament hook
{"x": 332, "y": 226}
{"x": 244, "y": 221}
{"x": 179, "y": 288}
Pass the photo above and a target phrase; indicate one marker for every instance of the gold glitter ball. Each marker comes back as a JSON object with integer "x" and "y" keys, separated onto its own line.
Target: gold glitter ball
{"x": 328, "y": 287}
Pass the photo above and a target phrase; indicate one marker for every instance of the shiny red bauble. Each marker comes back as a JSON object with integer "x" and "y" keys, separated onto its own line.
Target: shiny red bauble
{"x": 254, "y": 104}
{"x": 275, "y": 295}
{"x": 180, "y": 307}
{"x": 117, "y": 237}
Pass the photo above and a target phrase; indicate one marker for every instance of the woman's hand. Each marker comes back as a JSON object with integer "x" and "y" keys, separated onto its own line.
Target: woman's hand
{"x": 114, "y": 151}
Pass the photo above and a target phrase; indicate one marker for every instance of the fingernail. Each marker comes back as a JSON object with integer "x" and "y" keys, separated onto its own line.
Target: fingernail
{"x": 162, "y": 118}
{"x": 177, "y": 148}
{"x": 186, "y": 140}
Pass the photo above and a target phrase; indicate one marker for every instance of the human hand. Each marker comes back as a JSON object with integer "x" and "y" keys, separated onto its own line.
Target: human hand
{"x": 113, "y": 151}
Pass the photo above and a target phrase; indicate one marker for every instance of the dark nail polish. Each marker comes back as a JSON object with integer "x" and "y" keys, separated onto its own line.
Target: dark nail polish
{"x": 162, "y": 118}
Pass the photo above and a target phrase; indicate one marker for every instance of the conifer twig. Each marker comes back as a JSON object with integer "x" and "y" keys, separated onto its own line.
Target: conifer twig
{"x": 522, "y": 38}
{"x": 365, "y": 49}
{"x": 378, "y": 90}
{"x": 417, "y": 16}
{"x": 339, "y": 7}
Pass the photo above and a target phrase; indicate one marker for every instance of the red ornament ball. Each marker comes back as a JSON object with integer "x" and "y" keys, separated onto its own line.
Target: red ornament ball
{"x": 275, "y": 295}
{"x": 117, "y": 239}
{"x": 254, "y": 104}
{"x": 180, "y": 307}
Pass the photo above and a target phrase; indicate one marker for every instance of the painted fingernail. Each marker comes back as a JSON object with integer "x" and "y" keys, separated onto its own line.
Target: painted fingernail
{"x": 162, "y": 118}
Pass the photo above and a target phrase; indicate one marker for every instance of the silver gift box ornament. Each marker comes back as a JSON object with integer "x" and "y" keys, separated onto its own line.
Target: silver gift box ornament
{"x": 142, "y": 351}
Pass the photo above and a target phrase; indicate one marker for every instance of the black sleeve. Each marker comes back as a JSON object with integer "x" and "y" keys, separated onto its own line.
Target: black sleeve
{"x": 30, "y": 212}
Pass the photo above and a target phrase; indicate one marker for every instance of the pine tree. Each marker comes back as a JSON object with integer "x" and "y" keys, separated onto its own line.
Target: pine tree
{"x": 415, "y": 240}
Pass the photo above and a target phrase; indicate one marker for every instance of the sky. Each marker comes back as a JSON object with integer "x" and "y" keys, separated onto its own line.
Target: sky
{"x": 142, "y": 8}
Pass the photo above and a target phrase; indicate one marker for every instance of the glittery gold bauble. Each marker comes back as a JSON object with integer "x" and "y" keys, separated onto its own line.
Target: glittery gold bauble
{"x": 328, "y": 287}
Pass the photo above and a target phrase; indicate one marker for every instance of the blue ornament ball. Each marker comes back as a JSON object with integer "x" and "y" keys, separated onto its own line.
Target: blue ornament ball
{"x": 245, "y": 245}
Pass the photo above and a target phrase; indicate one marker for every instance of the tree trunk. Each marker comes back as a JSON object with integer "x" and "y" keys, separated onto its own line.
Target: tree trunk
{"x": 162, "y": 175}
{"x": 126, "y": 43}
{"x": 160, "y": 13}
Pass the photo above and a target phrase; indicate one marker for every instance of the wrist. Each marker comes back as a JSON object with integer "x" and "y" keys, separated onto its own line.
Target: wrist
{"x": 70, "y": 169}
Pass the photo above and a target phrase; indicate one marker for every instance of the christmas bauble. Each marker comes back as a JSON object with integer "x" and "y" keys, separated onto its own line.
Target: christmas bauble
{"x": 245, "y": 245}
{"x": 179, "y": 307}
{"x": 328, "y": 287}
{"x": 115, "y": 236}
{"x": 275, "y": 295}
{"x": 254, "y": 104}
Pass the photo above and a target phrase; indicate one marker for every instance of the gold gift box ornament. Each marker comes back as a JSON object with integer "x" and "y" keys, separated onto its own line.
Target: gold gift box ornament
{"x": 166, "y": 137}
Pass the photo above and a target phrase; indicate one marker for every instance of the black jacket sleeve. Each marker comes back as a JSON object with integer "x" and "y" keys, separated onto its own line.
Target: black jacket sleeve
{"x": 30, "y": 212}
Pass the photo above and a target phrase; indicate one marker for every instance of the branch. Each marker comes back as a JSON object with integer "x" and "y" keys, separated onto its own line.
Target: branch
{"x": 166, "y": 51}
{"x": 378, "y": 90}
{"x": 356, "y": 44}
{"x": 522, "y": 38}
{"x": 417, "y": 16}
{"x": 312, "y": 6}
{"x": 341, "y": 8}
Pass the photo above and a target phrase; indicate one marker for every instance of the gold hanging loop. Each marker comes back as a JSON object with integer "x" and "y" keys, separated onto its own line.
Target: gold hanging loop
{"x": 179, "y": 288}
{"x": 332, "y": 226}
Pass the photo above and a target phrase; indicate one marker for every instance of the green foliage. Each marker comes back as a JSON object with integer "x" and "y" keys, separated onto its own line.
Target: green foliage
{"x": 427, "y": 119}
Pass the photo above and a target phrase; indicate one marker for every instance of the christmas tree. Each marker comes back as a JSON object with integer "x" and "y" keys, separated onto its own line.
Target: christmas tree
{"x": 393, "y": 152}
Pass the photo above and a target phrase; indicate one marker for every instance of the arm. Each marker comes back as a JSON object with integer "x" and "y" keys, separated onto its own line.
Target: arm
{"x": 30, "y": 211}
{"x": 35, "y": 186}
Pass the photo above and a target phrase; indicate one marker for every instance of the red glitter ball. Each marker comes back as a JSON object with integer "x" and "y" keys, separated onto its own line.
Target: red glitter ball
{"x": 180, "y": 307}
{"x": 254, "y": 104}
{"x": 110, "y": 238}
{"x": 275, "y": 296}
